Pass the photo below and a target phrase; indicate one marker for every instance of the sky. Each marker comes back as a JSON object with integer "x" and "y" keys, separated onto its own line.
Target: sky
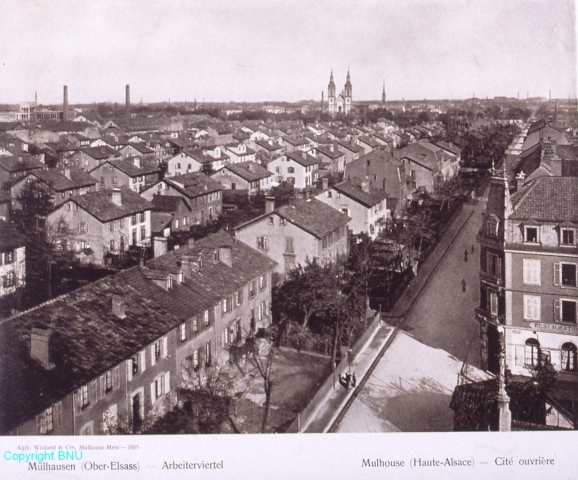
{"x": 271, "y": 50}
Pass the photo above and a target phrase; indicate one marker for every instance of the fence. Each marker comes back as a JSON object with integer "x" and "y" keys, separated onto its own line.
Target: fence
{"x": 311, "y": 409}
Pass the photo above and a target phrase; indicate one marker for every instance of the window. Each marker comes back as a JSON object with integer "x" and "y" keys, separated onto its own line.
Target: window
{"x": 568, "y": 357}
{"x": 82, "y": 227}
{"x": 253, "y": 288}
{"x": 135, "y": 362}
{"x": 289, "y": 247}
{"x": 531, "y": 307}
{"x": 133, "y": 179}
{"x": 169, "y": 282}
{"x": 262, "y": 310}
{"x": 567, "y": 236}
{"x": 568, "y": 311}
{"x": 177, "y": 223}
{"x": 83, "y": 396}
{"x": 568, "y": 274}
{"x": 328, "y": 194}
{"x": 262, "y": 282}
{"x": 491, "y": 228}
{"x": 196, "y": 356}
{"x": 142, "y": 233}
{"x": 195, "y": 325}
{"x": 133, "y": 220}
{"x": 271, "y": 221}
{"x": 531, "y": 234}
{"x": 289, "y": 263}
{"x": 532, "y": 353}
{"x": 157, "y": 350}
{"x": 226, "y": 305}
{"x": 345, "y": 211}
{"x": 112, "y": 244}
{"x": 291, "y": 170}
{"x": 121, "y": 221}
{"x": 493, "y": 296}
{"x": 46, "y": 421}
{"x": 183, "y": 332}
{"x": 208, "y": 354}
{"x": 531, "y": 271}
{"x": 160, "y": 386}
{"x": 114, "y": 181}
{"x": 206, "y": 318}
{"x": 239, "y": 297}
{"x": 324, "y": 242}
{"x": 111, "y": 226}
{"x": 141, "y": 217}
{"x": 262, "y": 243}
{"x": 108, "y": 381}
{"x": 278, "y": 169}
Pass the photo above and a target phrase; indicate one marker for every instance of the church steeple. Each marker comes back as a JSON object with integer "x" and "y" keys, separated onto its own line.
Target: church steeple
{"x": 331, "y": 86}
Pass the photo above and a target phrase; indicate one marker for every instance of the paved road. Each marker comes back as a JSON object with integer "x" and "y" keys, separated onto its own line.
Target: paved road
{"x": 411, "y": 387}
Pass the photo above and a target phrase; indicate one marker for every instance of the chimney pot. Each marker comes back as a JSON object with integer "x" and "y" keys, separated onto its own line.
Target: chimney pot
{"x": 365, "y": 186}
{"x": 40, "y": 339}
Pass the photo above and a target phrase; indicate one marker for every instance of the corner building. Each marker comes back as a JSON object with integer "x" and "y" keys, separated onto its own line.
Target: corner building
{"x": 528, "y": 276}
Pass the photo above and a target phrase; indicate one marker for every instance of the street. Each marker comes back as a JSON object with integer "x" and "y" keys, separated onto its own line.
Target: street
{"x": 411, "y": 387}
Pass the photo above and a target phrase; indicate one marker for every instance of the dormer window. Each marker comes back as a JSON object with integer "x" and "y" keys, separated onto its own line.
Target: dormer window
{"x": 567, "y": 237}
{"x": 169, "y": 282}
{"x": 181, "y": 277}
{"x": 531, "y": 234}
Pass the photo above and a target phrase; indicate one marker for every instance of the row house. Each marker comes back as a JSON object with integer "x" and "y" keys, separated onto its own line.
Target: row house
{"x": 61, "y": 183}
{"x": 528, "y": 276}
{"x": 296, "y": 168}
{"x": 15, "y": 167}
{"x": 135, "y": 173}
{"x": 91, "y": 157}
{"x": 12, "y": 260}
{"x": 238, "y": 153}
{"x": 271, "y": 148}
{"x": 351, "y": 151}
{"x": 365, "y": 205}
{"x": 172, "y": 211}
{"x": 112, "y": 354}
{"x": 384, "y": 172}
{"x": 194, "y": 160}
{"x": 304, "y": 229}
{"x": 292, "y": 143}
{"x": 202, "y": 193}
{"x": 137, "y": 149}
{"x": 101, "y": 224}
{"x": 368, "y": 144}
{"x": 249, "y": 176}
{"x": 332, "y": 156}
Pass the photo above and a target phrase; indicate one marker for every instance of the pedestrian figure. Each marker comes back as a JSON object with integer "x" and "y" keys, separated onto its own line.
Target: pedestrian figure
{"x": 463, "y": 284}
{"x": 466, "y": 256}
{"x": 472, "y": 248}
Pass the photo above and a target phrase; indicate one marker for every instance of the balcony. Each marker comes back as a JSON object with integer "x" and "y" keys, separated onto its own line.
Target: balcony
{"x": 483, "y": 315}
{"x": 491, "y": 279}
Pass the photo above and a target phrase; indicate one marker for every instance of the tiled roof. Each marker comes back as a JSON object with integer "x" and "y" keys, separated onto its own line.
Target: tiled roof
{"x": 57, "y": 179}
{"x": 9, "y": 237}
{"x": 551, "y": 199}
{"x": 19, "y": 163}
{"x": 88, "y": 340}
{"x": 420, "y": 154}
{"x": 201, "y": 157}
{"x": 160, "y": 221}
{"x": 168, "y": 203}
{"x": 62, "y": 126}
{"x": 194, "y": 184}
{"x": 450, "y": 147}
{"x": 302, "y": 158}
{"x": 141, "y": 147}
{"x": 369, "y": 141}
{"x": 313, "y": 216}
{"x": 216, "y": 280}
{"x": 101, "y": 206}
{"x": 101, "y": 153}
{"x": 333, "y": 154}
{"x": 355, "y": 192}
{"x": 295, "y": 141}
{"x": 127, "y": 166}
{"x": 267, "y": 146}
{"x": 250, "y": 171}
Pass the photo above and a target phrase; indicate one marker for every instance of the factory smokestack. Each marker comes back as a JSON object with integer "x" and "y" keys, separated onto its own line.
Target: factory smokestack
{"x": 65, "y": 105}
{"x": 128, "y": 101}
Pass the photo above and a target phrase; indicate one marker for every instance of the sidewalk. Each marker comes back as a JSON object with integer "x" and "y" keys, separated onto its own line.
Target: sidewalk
{"x": 338, "y": 397}
{"x": 408, "y": 298}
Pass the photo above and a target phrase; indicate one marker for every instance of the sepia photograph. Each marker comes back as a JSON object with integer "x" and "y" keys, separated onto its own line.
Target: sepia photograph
{"x": 298, "y": 217}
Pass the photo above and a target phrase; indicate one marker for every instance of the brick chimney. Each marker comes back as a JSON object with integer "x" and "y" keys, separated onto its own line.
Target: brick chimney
{"x": 225, "y": 255}
{"x": 136, "y": 161}
{"x": 269, "y": 204}
{"x": 116, "y": 196}
{"x": 118, "y": 306}
{"x": 65, "y": 104}
{"x": 40, "y": 348}
{"x": 365, "y": 185}
{"x": 520, "y": 180}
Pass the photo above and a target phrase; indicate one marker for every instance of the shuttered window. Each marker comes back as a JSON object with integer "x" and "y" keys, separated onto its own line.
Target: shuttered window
{"x": 531, "y": 307}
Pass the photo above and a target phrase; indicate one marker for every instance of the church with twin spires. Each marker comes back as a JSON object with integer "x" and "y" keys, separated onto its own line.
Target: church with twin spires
{"x": 339, "y": 104}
